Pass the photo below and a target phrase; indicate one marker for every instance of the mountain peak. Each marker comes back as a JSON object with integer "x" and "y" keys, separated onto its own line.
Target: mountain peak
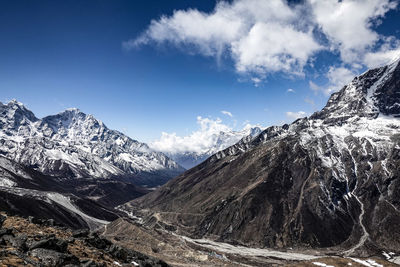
{"x": 377, "y": 91}
{"x": 16, "y": 112}
{"x": 74, "y": 121}
{"x": 71, "y": 116}
{"x": 73, "y": 110}
{"x": 15, "y": 102}
{"x": 386, "y": 95}
{"x": 74, "y": 144}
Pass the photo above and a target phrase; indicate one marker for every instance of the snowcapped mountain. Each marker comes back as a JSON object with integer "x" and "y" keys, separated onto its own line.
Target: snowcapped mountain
{"x": 329, "y": 180}
{"x": 73, "y": 144}
{"x": 194, "y": 154}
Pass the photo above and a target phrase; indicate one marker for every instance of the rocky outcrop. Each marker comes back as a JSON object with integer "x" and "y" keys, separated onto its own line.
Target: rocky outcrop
{"x": 23, "y": 243}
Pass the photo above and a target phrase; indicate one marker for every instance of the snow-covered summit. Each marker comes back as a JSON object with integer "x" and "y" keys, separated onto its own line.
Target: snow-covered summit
{"x": 373, "y": 92}
{"x": 13, "y": 114}
{"x": 368, "y": 109}
{"x": 74, "y": 144}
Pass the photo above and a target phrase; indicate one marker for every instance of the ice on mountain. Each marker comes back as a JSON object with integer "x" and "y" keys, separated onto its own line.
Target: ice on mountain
{"x": 78, "y": 140}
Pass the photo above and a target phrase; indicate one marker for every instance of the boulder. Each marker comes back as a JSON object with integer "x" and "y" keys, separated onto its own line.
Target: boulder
{"x": 91, "y": 263}
{"x": 18, "y": 242}
{"x": 6, "y": 231}
{"x": 51, "y": 243}
{"x": 34, "y": 220}
{"x": 80, "y": 233}
{"x": 2, "y": 219}
{"x": 95, "y": 241}
{"x": 53, "y": 258}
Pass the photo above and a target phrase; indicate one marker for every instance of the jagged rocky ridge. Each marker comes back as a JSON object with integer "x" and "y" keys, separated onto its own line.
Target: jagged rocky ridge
{"x": 332, "y": 179}
{"x": 72, "y": 144}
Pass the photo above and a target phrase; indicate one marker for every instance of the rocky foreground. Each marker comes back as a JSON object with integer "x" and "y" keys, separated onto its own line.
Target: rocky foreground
{"x": 35, "y": 242}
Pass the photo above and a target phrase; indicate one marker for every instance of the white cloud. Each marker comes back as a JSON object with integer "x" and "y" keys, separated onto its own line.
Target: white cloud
{"x": 389, "y": 51}
{"x": 209, "y": 33}
{"x": 260, "y": 36}
{"x": 270, "y": 47}
{"x": 296, "y": 115}
{"x": 314, "y": 86}
{"x": 197, "y": 141}
{"x": 256, "y": 81}
{"x": 348, "y": 24}
{"x": 290, "y": 90}
{"x": 206, "y": 138}
{"x": 264, "y": 37}
{"x": 337, "y": 78}
{"x": 381, "y": 58}
{"x": 227, "y": 113}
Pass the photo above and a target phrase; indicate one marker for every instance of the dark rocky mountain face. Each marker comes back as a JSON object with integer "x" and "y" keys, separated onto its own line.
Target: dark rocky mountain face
{"x": 332, "y": 179}
{"x": 78, "y": 203}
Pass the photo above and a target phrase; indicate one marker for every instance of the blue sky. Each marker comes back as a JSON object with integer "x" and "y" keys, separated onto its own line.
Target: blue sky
{"x": 196, "y": 59}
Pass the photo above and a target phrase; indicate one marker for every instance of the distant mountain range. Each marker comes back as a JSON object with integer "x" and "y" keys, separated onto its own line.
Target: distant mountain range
{"x": 217, "y": 142}
{"x": 70, "y": 167}
{"x": 329, "y": 180}
{"x": 73, "y": 144}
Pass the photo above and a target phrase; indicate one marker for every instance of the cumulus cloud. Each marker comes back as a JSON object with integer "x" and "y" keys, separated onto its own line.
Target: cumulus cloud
{"x": 272, "y": 47}
{"x": 206, "y": 138}
{"x": 198, "y": 141}
{"x": 257, "y": 81}
{"x": 313, "y": 86}
{"x": 296, "y": 115}
{"x": 260, "y": 36}
{"x": 290, "y": 90}
{"x": 264, "y": 37}
{"x": 337, "y": 78}
{"x": 227, "y": 113}
{"x": 349, "y": 24}
{"x": 381, "y": 57}
{"x": 389, "y": 51}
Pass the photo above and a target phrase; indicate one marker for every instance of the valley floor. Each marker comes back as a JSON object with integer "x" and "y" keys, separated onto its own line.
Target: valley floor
{"x": 180, "y": 250}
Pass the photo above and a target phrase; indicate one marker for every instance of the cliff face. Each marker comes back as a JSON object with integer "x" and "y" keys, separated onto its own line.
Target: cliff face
{"x": 330, "y": 179}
